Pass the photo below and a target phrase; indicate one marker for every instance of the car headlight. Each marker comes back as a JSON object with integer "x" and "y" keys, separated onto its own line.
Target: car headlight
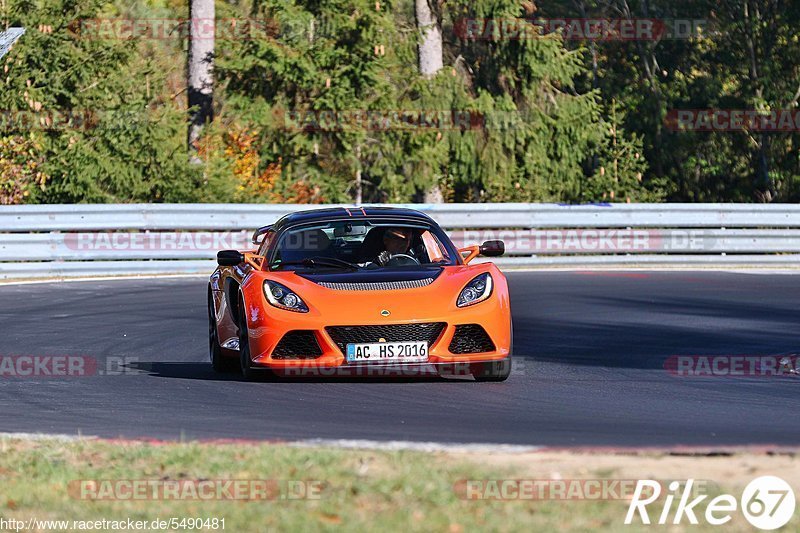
{"x": 476, "y": 291}
{"x": 283, "y": 298}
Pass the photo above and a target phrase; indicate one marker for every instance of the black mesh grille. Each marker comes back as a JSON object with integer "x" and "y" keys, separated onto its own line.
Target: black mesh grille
{"x": 298, "y": 344}
{"x": 344, "y": 335}
{"x": 378, "y": 286}
{"x": 471, "y": 338}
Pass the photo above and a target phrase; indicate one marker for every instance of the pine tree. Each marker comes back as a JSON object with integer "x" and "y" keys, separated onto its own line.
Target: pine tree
{"x": 101, "y": 133}
{"x": 621, "y": 166}
{"x": 308, "y": 90}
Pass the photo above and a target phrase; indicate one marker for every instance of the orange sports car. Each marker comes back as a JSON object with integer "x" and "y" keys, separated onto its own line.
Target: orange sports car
{"x": 343, "y": 289}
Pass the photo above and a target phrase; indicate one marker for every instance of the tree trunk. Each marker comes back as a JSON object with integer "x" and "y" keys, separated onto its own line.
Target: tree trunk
{"x": 201, "y": 70}
{"x": 430, "y": 62}
{"x": 763, "y": 184}
{"x": 430, "y": 47}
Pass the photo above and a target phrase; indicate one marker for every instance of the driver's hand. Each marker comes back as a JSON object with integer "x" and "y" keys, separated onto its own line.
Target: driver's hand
{"x": 383, "y": 258}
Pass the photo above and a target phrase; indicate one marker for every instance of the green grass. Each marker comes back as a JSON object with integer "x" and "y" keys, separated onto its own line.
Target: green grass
{"x": 365, "y": 490}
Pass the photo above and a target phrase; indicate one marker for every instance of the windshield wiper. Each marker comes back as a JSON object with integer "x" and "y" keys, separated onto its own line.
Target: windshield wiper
{"x": 321, "y": 261}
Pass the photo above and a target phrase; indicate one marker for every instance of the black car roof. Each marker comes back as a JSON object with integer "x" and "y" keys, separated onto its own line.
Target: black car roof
{"x": 336, "y": 213}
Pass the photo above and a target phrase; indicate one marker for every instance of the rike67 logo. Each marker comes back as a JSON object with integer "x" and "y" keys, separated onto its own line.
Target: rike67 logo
{"x": 768, "y": 502}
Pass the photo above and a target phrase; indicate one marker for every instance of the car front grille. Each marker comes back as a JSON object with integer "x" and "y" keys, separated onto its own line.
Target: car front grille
{"x": 297, "y": 344}
{"x": 344, "y": 335}
{"x": 377, "y": 286}
{"x": 471, "y": 338}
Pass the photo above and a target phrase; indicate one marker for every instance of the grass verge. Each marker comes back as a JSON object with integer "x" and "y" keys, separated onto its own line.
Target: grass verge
{"x": 360, "y": 490}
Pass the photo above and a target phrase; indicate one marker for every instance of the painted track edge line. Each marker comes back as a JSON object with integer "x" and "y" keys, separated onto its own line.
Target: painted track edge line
{"x": 418, "y": 446}
{"x": 434, "y": 447}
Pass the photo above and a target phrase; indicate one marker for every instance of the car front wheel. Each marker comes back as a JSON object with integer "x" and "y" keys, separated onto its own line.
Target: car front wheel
{"x": 245, "y": 362}
{"x": 219, "y": 362}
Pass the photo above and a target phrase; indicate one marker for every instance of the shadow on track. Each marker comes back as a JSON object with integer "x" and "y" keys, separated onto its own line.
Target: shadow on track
{"x": 204, "y": 372}
{"x": 640, "y": 323}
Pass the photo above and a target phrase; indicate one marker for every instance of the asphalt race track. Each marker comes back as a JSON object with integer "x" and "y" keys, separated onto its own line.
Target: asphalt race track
{"x": 590, "y": 349}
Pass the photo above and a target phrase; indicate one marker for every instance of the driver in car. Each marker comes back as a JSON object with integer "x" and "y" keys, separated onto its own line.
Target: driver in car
{"x": 396, "y": 241}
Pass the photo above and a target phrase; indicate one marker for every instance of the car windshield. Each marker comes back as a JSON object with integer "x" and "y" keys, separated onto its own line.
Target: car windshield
{"x": 350, "y": 245}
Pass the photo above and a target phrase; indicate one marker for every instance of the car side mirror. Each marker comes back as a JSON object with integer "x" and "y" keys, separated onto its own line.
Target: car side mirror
{"x": 492, "y": 248}
{"x": 229, "y": 257}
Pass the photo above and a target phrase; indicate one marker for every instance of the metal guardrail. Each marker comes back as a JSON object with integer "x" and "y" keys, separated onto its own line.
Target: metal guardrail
{"x": 82, "y": 217}
{"x": 129, "y": 239}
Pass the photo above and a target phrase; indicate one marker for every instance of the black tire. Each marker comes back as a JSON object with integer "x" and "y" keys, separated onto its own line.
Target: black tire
{"x": 219, "y": 362}
{"x": 245, "y": 363}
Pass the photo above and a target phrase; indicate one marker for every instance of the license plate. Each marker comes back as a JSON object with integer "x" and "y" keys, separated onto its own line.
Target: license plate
{"x": 403, "y": 352}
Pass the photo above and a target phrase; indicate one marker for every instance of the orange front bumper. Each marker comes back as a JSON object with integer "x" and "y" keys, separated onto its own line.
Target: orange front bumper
{"x": 328, "y": 307}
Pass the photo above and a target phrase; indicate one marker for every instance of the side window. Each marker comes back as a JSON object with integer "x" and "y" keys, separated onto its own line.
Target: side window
{"x": 436, "y": 252}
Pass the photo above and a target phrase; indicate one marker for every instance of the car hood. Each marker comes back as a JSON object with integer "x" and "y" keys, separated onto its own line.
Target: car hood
{"x": 383, "y": 275}
{"x": 410, "y": 295}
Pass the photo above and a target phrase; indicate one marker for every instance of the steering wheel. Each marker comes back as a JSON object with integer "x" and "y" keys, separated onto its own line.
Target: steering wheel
{"x": 402, "y": 260}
